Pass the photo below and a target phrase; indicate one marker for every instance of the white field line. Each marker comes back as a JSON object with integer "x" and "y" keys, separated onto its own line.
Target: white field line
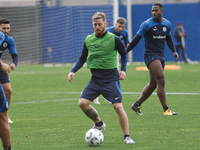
{"x": 130, "y": 93}
{"x": 174, "y": 93}
{"x": 45, "y": 101}
{"x": 71, "y": 99}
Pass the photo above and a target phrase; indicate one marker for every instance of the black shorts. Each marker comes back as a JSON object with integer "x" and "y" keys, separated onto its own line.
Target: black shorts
{"x": 3, "y": 101}
{"x": 110, "y": 90}
{"x": 148, "y": 58}
{"x": 3, "y": 77}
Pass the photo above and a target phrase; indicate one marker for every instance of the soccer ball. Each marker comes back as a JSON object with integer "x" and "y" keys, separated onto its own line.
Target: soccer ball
{"x": 94, "y": 137}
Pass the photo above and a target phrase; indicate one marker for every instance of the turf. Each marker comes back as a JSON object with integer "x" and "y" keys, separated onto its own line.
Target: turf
{"x": 46, "y": 114}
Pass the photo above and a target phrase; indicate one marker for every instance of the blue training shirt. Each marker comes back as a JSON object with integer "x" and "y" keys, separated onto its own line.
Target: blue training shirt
{"x": 123, "y": 35}
{"x": 2, "y": 37}
{"x": 155, "y": 35}
{"x": 9, "y": 44}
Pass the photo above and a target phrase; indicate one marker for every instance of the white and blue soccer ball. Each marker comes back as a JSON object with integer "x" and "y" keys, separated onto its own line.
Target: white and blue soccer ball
{"x": 94, "y": 137}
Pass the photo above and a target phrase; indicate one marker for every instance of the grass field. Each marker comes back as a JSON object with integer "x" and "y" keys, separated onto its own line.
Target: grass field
{"x": 46, "y": 114}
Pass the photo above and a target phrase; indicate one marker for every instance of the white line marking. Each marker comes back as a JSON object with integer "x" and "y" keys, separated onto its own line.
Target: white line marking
{"x": 59, "y": 100}
{"x": 166, "y": 93}
{"x": 44, "y": 101}
{"x": 133, "y": 93}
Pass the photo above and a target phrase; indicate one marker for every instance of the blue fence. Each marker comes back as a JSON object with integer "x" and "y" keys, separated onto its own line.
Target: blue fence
{"x": 64, "y": 30}
{"x": 64, "y": 44}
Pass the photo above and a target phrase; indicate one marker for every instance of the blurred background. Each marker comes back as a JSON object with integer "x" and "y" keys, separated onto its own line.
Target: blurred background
{"x": 53, "y": 31}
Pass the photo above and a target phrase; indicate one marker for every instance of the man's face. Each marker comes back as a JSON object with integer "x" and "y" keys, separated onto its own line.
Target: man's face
{"x": 5, "y": 28}
{"x": 180, "y": 26}
{"x": 99, "y": 26}
{"x": 157, "y": 13}
{"x": 119, "y": 27}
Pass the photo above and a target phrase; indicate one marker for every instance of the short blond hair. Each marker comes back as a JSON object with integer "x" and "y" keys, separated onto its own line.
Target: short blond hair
{"x": 99, "y": 15}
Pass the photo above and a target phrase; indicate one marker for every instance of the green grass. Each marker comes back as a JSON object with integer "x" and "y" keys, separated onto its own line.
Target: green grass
{"x": 46, "y": 114}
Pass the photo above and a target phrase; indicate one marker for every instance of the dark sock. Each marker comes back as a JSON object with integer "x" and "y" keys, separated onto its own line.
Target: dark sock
{"x": 7, "y": 147}
{"x": 165, "y": 108}
{"x": 99, "y": 124}
{"x": 137, "y": 103}
{"x": 126, "y": 136}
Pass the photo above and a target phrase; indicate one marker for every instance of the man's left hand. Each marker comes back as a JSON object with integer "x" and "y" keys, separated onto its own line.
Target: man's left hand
{"x": 122, "y": 75}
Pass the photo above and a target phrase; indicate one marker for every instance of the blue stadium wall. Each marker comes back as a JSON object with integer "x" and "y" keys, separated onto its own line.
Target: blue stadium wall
{"x": 65, "y": 33}
{"x": 188, "y": 14}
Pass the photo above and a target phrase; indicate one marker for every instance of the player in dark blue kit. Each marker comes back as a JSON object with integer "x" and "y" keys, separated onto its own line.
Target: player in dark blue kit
{"x": 4, "y": 125}
{"x": 9, "y": 44}
{"x": 180, "y": 34}
{"x": 120, "y": 31}
{"x": 100, "y": 51}
{"x": 156, "y": 31}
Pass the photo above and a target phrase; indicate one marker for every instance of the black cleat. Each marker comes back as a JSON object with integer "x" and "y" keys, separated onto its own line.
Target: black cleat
{"x": 136, "y": 109}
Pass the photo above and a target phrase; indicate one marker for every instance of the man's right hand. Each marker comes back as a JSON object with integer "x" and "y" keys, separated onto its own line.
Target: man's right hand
{"x": 71, "y": 76}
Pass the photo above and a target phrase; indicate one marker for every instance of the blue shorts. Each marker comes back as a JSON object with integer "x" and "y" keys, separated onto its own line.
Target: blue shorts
{"x": 3, "y": 101}
{"x": 3, "y": 77}
{"x": 110, "y": 90}
{"x": 148, "y": 58}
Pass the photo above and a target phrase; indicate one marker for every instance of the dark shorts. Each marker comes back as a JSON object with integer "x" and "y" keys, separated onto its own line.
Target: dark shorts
{"x": 110, "y": 90}
{"x": 3, "y": 101}
{"x": 148, "y": 58}
{"x": 3, "y": 77}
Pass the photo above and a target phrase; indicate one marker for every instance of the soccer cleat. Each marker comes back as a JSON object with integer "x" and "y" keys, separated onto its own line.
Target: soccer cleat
{"x": 128, "y": 140}
{"x": 96, "y": 100}
{"x": 102, "y": 127}
{"x": 136, "y": 109}
{"x": 108, "y": 101}
{"x": 9, "y": 121}
{"x": 169, "y": 112}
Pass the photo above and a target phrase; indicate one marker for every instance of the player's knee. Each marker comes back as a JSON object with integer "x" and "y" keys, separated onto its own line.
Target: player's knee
{"x": 161, "y": 80}
{"x": 4, "y": 122}
{"x": 8, "y": 91}
{"x": 6, "y": 126}
{"x": 118, "y": 107}
{"x": 153, "y": 85}
{"x": 80, "y": 103}
{"x": 83, "y": 102}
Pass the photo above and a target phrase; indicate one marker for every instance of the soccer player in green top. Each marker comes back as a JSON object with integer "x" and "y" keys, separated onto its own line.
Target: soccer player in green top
{"x": 100, "y": 51}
